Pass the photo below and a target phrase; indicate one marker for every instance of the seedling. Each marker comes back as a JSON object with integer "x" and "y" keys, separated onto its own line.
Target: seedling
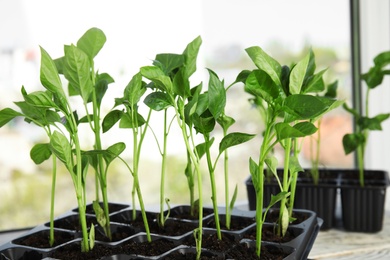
{"x": 288, "y": 110}
{"x": 364, "y": 123}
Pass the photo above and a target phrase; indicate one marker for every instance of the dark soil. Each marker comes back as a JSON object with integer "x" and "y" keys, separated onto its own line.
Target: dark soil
{"x": 72, "y": 222}
{"x": 270, "y": 234}
{"x": 40, "y": 239}
{"x": 229, "y": 247}
{"x": 184, "y": 212}
{"x": 237, "y": 223}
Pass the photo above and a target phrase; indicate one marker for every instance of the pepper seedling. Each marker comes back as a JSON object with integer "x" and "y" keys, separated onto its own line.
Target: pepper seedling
{"x": 364, "y": 122}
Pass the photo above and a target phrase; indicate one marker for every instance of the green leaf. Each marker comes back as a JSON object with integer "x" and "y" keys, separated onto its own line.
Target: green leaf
{"x": 190, "y": 56}
{"x": 40, "y": 153}
{"x": 260, "y": 84}
{"x": 254, "y": 169}
{"x": 217, "y": 95}
{"x": 168, "y": 61}
{"x": 352, "y": 141}
{"x": 49, "y": 75}
{"x": 242, "y": 76}
{"x": 297, "y": 75}
{"x": 225, "y": 121}
{"x": 304, "y": 106}
{"x": 7, "y": 114}
{"x": 272, "y": 164}
{"x": 101, "y": 86}
{"x": 158, "y": 101}
{"x": 315, "y": 83}
{"x": 266, "y": 63}
{"x": 113, "y": 152}
{"x": 155, "y": 74}
{"x": 372, "y": 123}
{"x": 40, "y": 99}
{"x": 181, "y": 84}
{"x": 331, "y": 90}
{"x": 204, "y": 123}
{"x": 128, "y": 121}
{"x": 99, "y": 212}
{"x": 233, "y": 139}
{"x": 92, "y": 42}
{"x": 60, "y": 146}
{"x": 111, "y": 119}
{"x": 203, "y": 147}
{"x": 302, "y": 129}
{"x": 294, "y": 165}
{"x": 278, "y": 197}
{"x": 77, "y": 70}
{"x": 234, "y": 198}
{"x": 134, "y": 90}
{"x": 91, "y": 237}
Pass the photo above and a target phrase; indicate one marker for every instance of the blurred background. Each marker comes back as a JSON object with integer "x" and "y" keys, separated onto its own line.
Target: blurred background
{"x": 138, "y": 30}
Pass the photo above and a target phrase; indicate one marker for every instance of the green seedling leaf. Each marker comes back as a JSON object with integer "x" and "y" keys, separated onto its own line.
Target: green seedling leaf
{"x": 40, "y": 153}
{"x": 181, "y": 84}
{"x": 101, "y": 86}
{"x": 49, "y": 75}
{"x": 331, "y": 90}
{"x": 111, "y": 119}
{"x": 204, "y": 123}
{"x": 203, "y": 147}
{"x": 168, "y": 62}
{"x": 298, "y": 74}
{"x": 60, "y": 65}
{"x": 315, "y": 83}
{"x": 242, "y": 76}
{"x": 225, "y": 121}
{"x": 234, "y": 198}
{"x": 294, "y": 165}
{"x": 40, "y": 99}
{"x": 59, "y": 145}
{"x": 128, "y": 121}
{"x": 99, "y": 212}
{"x": 134, "y": 90}
{"x": 233, "y": 139}
{"x": 352, "y": 141}
{"x": 260, "y": 84}
{"x": 217, "y": 95}
{"x": 266, "y": 63}
{"x": 285, "y": 219}
{"x": 374, "y": 123}
{"x": 92, "y": 42}
{"x": 155, "y": 74}
{"x": 254, "y": 169}
{"x": 277, "y": 198}
{"x": 190, "y": 55}
{"x": 304, "y": 106}
{"x": 77, "y": 70}
{"x": 302, "y": 129}
{"x": 272, "y": 164}
{"x": 113, "y": 152}
{"x": 91, "y": 237}
{"x": 158, "y": 101}
{"x": 382, "y": 59}
{"x": 354, "y": 112}
{"x": 7, "y": 114}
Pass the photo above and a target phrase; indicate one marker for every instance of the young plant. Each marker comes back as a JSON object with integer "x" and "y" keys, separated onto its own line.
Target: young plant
{"x": 169, "y": 77}
{"x": 364, "y": 122}
{"x": 209, "y": 111}
{"x": 288, "y": 115}
{"x": 77, "y": 65}
{"x": 46, "y": 119}
{"x": 130, "y": 118}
